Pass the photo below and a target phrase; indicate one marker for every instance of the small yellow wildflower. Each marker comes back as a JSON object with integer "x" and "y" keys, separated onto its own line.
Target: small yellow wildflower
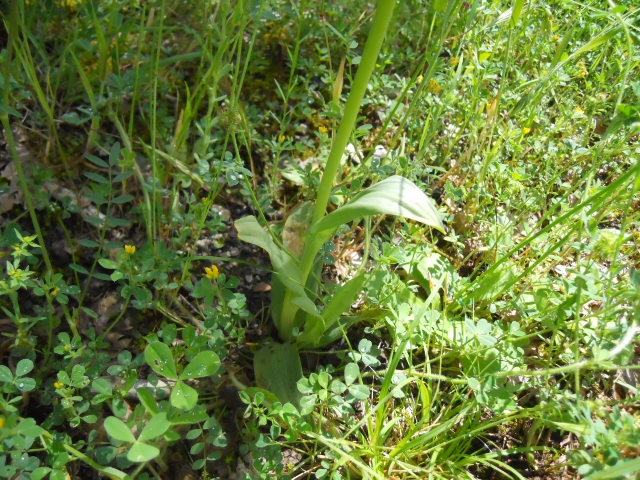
{"x": 556, "y": 38}
{"x": 70, "y": 4}
{"x": 3, "y": 422}
{"x": 211, "y": 272}
{"x": 67, "y": 347}
{"x": 419, "y": 79}
{"x": 282, "y": 138}
{"x": 55, "y": 291}
{"x": 434, "y": 87}
{"x": 579, "y": 111}
{"x": 58, "y": 384}
{"x": 582, "y": 70}
{"x": 323, "y": 129}
{"x": 130, "y": 249}
{"x": 526, "y": 130}
{"x": 455, "y": 61}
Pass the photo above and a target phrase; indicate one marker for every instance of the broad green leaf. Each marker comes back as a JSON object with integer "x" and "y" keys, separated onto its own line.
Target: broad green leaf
{"x": 156, "y": 427}
{"x": 159, "y": 357}
{"x": 204, "y": 364}
{"x": 395, "y": 195}
{"x": 250, "y": 231}
{"x": 277, "y": 368}
{"x": 624, "y": 468}
{"x": 339, "y": 304}
{"x": 142, "y": 452}
{"x": 183, "y": 396}
{"x": 119, "y": 430}
{"x": 517, "y": 10}
{"x": 286, "y": 268}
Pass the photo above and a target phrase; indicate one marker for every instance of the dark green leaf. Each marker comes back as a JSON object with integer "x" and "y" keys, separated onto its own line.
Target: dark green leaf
{"x": 277, "y": 367}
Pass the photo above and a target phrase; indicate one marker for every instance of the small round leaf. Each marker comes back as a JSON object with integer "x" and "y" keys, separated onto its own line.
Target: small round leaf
{"x": 24, "y": 366}
{"x": 159, "y": 357}
{"x": 183, "y": 396}
{"x": 142, "y": 452}
{"x": 118, "y": 430}
{"x": 204, "y": 364}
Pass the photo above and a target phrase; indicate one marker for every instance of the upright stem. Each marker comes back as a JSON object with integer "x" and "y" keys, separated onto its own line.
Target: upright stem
{"x": 384, "y": 12}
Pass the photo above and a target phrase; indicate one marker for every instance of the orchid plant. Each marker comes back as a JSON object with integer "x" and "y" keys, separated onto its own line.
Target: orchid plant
{"x": 302, "y": 317}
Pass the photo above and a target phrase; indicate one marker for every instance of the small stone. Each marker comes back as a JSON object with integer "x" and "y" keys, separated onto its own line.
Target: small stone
{"x": 261, "y": 287}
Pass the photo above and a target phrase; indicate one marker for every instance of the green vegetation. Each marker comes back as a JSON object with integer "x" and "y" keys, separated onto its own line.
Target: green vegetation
{"x": 320, "y": 240}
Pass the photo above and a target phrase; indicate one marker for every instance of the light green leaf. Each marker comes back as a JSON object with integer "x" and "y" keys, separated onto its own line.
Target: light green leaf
{"x": 351, "y": 373}
{"x": 183, "y": 396}
{"x": 118, "y": 430}
{"x": 6, "y": 375}
{"x": 204, "y": 364}
{"x": 156, "y": 427}
{"x": 395, "y": 195}
{"x": 250, "y": 231}
{"x": 339, "y": 304}
{"x": 159, "y": 357}
{"x": 196, "y": 415}
{"x": 285, "y": 266}
{"x": 517, "y": 10}
{"x": 24, "y": 366}
{"x": 623, "y": 468}
{"x": 148, "y": 401}
{"x": 277, "y": 368}
{"x": 108, "y": 263}
{"x": 113, "y": 473}
{"x": 142, "y": 452}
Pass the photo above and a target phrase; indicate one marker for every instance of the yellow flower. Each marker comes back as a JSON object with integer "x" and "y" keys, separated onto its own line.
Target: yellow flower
{"x": 3, "y": 422}
{"x": 434, "y": 87}
{"x": 282, "y": 138}
{"x": 55, "y": 291}
{"x": 323, "y": 129}
{"x": 455, "y": 61}
{"x": 419, "y": 79}
{"x": 556, "y": 38}
{"x": 58, "y": 384}
{"x": 582, "y": 70}
{"x": 526, "y": 130}
{"x": 579, "y": 111}
{"x": 211, "y": 272}
{"x": 130, "y": 249}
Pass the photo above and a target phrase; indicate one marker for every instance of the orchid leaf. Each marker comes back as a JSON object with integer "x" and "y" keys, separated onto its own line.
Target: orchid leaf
{"x": 395, "y": 195}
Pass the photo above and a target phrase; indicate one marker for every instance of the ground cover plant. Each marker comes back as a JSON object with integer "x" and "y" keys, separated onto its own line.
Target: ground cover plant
{"x": 332, "y": 240}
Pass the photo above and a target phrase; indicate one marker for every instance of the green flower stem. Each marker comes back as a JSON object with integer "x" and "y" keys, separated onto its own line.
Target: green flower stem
{"x": 384, "y": 12}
